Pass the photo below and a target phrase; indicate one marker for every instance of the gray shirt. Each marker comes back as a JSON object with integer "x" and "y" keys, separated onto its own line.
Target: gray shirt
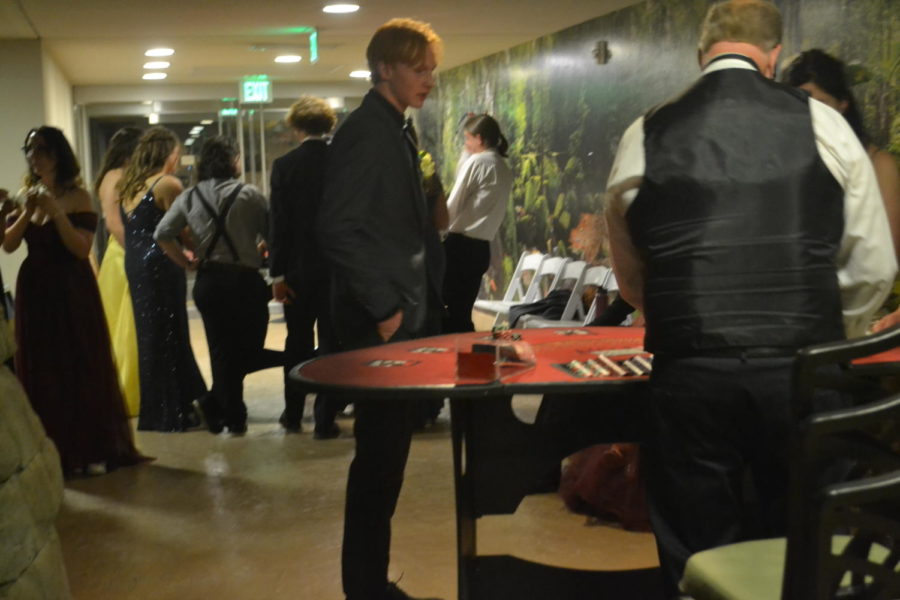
{"x": 247, "y": 221}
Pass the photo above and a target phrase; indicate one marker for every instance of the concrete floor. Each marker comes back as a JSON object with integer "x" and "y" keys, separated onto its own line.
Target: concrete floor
{"x": 261, "y": 516}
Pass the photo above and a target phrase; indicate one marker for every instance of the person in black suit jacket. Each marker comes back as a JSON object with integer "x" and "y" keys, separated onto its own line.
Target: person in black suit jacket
{"x": 299, "y": 273}
{"x": 377, "y": 231}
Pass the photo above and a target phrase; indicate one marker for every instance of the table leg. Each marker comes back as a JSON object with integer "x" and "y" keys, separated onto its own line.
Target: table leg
{"x": 465, "y": 517}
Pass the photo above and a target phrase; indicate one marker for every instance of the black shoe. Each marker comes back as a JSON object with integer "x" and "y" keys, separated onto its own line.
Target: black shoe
{"x": 289, "y": 425}
{"x": 208, "y": 417}
{"x": 191, "y": 419}
{"x": 393, "y": 592}
{"x": 328, "y": 432}
{"x": 238, "y": 428}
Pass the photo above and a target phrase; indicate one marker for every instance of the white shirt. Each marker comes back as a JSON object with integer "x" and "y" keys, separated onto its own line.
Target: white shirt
{"x": 866, "y": 261}
{"x": 477, "y": 203}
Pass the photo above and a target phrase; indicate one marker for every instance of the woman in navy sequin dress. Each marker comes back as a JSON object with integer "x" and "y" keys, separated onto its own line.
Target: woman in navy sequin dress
{"x": 64, "y": 358}
{"x": 170, "y": 379}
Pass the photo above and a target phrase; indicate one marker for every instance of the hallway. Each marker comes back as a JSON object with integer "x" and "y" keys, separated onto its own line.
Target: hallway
{"x": 261, "y": 516}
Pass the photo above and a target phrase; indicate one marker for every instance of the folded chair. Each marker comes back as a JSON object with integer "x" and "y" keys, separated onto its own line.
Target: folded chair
{"x": 843, "y": 539}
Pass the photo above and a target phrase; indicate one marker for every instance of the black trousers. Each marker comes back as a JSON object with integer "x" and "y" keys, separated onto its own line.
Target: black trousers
{"x": 716, "y": 453}
{"x": 383, "y": 430}
{"x": 467, "y": 260}
{"x": 233, "y": 303}
{"x": 311, "y": 307}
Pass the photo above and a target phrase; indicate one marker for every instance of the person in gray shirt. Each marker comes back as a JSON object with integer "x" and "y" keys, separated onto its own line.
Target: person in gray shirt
{"x": 226, "y": 219}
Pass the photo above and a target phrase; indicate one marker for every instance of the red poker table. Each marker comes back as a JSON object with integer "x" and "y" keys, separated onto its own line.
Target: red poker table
{"x": 497, "y": 458}
{"x": 427, "y": 367}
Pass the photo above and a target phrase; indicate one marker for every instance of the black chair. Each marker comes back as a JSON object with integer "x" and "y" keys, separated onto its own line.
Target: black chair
{"x": 843, "y": 539}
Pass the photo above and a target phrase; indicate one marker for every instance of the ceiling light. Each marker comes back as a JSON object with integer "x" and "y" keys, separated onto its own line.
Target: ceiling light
{"x": 156, "y": 64}
{"x": 189, "y": 142}
{"x": 154, "y": 75}
{"x": 159, "y": 52}
{"x": 206, "y": 122}
{"x": 360, "y": 74}
{"x": 342, "y": 8}
{"x": 288, "y": 58}
{"x": 153, "y": 118}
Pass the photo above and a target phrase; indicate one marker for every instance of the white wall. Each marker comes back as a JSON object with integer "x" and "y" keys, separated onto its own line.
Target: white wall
{"x": 57, "y": 99}
{"x": 21, "y": 108}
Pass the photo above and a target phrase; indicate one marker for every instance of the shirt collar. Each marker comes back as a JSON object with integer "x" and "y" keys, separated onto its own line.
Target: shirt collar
{"x": 730, "y": 61}
{"x": 315, "y": 138}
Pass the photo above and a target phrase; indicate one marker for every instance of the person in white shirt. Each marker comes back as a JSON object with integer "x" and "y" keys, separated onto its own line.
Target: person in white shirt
{"x": 477, "y": 205}
{"x": 746, "y": 222}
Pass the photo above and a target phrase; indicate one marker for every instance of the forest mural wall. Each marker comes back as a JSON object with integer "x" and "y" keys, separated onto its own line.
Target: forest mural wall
{"x": 564, "y": 113}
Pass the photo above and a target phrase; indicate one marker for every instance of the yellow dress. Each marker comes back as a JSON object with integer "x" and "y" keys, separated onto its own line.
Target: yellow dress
{"x": 120, "y": 318}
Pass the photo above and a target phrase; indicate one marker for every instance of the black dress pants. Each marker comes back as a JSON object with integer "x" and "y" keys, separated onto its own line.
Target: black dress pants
{"x": 233, "y": 302}
{"x": 718, "y": 429}
{"x": 467, "y": 261}
{"x": 383, "y": 430}
{"x": 311, "y": 307}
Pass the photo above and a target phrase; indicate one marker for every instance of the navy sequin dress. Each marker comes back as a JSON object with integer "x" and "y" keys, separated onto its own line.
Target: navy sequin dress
{"x": 64, "y": 360}
{"x": 170, "y": 379}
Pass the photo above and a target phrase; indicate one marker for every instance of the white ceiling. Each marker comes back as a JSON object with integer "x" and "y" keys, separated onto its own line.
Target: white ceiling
{"x": 102, "y": 42}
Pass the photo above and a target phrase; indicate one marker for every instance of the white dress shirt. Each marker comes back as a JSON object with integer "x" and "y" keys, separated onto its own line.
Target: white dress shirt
{"x": 477, "y": 203}
{"x": 866, "y": 261}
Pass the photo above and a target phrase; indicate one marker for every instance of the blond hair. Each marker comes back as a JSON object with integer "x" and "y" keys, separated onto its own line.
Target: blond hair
{"x": 401, "y": 41}
{"x": 756, "y": 22}
{"x": 312, "y": 115}
{"x": 150, "y": 156}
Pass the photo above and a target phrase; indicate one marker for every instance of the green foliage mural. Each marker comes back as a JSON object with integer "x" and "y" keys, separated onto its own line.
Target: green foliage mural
{"x": 563, "y": 113}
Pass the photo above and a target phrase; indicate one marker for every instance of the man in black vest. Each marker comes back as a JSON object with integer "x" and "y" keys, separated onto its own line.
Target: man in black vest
{"x": 746, "y": 222}
{"x": 377, "y": 231}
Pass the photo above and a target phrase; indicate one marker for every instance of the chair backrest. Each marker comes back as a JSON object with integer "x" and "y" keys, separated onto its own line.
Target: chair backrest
{"x": 546, "y": 278}
{"x": 597, "y": 277}
{"x": 523, "y": 275}
{"x": 844, "y": 535}
{"x": 572, "y": 278}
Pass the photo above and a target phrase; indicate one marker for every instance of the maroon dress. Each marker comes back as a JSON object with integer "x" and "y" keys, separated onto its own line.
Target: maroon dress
{"x": 64, "y": 358}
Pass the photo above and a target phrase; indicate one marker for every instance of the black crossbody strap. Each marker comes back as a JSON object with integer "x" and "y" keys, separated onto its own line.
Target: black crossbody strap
{"x": 219, "y": 221}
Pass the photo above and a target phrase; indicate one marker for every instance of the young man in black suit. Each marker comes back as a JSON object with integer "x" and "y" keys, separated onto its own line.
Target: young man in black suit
{"x": 376, "y": 229}
{"x": 299, "y": 273}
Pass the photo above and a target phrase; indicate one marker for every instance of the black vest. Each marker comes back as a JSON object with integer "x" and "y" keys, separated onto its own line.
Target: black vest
{"x": 739, "y": 221}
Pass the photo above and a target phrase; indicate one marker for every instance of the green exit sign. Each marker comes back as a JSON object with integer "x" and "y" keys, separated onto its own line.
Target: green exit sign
{"x": 256, "y": 89}
{"x": 228, "y": 112}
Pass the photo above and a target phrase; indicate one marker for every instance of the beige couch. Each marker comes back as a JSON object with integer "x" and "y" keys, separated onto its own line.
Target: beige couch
{"x": 31, "y": 490}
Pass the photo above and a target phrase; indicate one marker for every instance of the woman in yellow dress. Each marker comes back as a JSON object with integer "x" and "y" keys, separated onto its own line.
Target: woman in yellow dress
{"x": 113, "y": 284}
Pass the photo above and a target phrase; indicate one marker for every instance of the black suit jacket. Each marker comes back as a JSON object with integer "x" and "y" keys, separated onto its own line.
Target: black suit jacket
{"x": 297, "y": 179}
{"x": 375, "y": 227}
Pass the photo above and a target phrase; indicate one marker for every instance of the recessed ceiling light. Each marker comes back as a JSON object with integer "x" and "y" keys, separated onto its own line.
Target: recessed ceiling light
{"x": 340, "y": 8}
{"x": 153, "y": 118}
{"x": 159, "y": 52}
{"x": 155, "y": 75}
{"x": 288, "y": 58}
{"x": 360, "y": 74}
{"x": 156, "y": 64}
{"x": 207, "y": 122}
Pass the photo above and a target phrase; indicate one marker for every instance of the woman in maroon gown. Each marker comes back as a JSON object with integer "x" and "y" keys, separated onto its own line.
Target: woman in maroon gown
{"x": 64, "y": 359}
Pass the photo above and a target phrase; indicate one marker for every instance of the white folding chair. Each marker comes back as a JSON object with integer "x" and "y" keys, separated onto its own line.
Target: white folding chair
{"x": 574, "y": 314}
{"x": 519, "y": 285}
{"x": 547, "y": 278}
